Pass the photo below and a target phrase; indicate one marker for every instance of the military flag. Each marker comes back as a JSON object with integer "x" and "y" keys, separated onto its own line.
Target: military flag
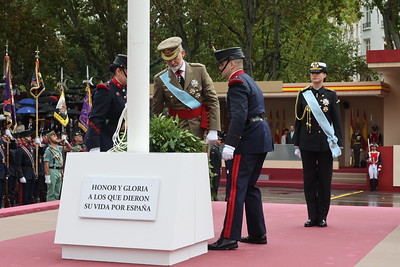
{"x": 351, "y": 128}
{"x": 37, "y": 84}
{"x": 61, "y": 113}
{"x": 87, "y": 104}
{"x": 277, "y": 131}
{"x": 9, "y": 106}
{"x": 358, "y": 120}
{"x": 364, "y": 132}
{"x": 283, "y": 122}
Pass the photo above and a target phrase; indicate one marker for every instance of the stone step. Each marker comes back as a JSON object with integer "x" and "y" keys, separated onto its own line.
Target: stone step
{"x": 349, "y": 178}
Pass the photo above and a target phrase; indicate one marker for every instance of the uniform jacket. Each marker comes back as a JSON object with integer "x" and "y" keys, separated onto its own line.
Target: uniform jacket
{"x": 199, "y": 85}
{"x": 23, "y": 163}
{"x": 289, "y": 139}
{"x": 3, "y": 158}
{"x": 108, "y": 104}
{"x": 245, "y": 100}
{"x": 356, "y": 141}
{"x": 314, "y": 139}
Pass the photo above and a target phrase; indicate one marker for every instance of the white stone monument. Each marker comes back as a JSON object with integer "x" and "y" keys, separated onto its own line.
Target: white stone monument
{"x": 135, "y": 206}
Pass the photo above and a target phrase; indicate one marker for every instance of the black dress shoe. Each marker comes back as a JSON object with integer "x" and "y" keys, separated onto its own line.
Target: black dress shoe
{"x": 322, "y": 223}
{"x": 254, "y": 239}
{"x": 223, "y": 244}
{"x": 311, "y": 223}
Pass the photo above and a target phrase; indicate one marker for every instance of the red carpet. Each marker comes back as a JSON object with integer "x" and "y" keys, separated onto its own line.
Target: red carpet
{"x": 351, "y": 234}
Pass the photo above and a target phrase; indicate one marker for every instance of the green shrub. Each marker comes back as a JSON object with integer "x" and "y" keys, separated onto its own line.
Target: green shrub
{"x": 167, "y": 135}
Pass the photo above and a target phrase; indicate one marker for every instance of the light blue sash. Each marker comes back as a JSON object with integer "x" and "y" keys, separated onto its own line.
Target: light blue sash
{"x": 183, "y": 96}
{"x": 323, "y": 121}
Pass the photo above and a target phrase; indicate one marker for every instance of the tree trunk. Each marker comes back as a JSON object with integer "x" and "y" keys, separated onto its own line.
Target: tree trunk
{"x": 277, "y": 46}
{"x": 249, "y": 21}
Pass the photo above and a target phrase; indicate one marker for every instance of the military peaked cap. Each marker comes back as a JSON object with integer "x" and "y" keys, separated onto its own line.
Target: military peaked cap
{"x": 121, "y": 61}
{"x": 229, "y": 54}
{"x": 169, "y": 48}
{"x": 317, "y": 67}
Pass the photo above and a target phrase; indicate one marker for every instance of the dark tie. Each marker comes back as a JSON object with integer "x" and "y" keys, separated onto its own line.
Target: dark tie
{"x": 181, "y": 80}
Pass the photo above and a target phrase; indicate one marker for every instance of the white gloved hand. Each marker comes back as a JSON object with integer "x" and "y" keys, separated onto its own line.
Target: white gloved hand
{"x": 64, "y": 138}
{"x": 212, "y": 136}
{"x": 37, "y": 141}
{"x": 8, "y": 133}
{"x": 227, "y": 152}
{"x": 47, "y": 179}
{"x": 361, "y": 150}
{"x": 22, "y": 180}
{"x": 95, "y": 149}
{"x": 297, "y": 152}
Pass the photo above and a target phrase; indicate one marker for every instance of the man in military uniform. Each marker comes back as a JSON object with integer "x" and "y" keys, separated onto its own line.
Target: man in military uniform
{"x": 108, "y": 104}
{"x": 25, "y": 167}
{"x": 356, "y": 146}
{"x": 187, "y": 91}
{"x": 311, "y": 142}
{"x": 375, "y": 166}
{"x": 77, "y": 144}
{"x": 53, "y": 165}
{"x": 248, "y": 141}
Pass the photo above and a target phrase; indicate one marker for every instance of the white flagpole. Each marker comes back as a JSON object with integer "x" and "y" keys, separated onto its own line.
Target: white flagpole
{"x": 138, "y": 75}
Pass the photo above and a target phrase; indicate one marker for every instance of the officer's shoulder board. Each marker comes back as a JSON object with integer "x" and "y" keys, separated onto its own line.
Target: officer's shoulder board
{"x": 305, "y": 88}
{"x": 235, "y": 80}
{"x": 161, "y": 72}
{"x": 103, "y": 86}
{"x": 196, "y": 65}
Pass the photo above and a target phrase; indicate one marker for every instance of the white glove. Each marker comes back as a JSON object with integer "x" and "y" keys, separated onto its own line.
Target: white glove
{"x": 64, "y": 138}
{"x": 361, "y": 150}
{"x": 22, "y": 180}
{"x": 95, "y": 149}
{"x": 8, "y": 133}
{"x": 37, "y": 141}
{"x": 297, "y": 152}
{"x": 212, "y": 136}
{"x": 47, "y": 179}
{"x": 227, "y": 152}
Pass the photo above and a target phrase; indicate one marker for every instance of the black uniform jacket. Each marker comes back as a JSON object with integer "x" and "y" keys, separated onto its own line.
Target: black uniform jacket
{"x": 245, "y": 101}
{"x": 108, "y": 104}
{"x": 314, "y": 138}
{"x": 24, "y": 162}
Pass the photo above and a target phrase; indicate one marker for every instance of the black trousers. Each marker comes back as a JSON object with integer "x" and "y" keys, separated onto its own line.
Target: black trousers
{"x": 317, "y": 172}
{"x": 246, "y": 169}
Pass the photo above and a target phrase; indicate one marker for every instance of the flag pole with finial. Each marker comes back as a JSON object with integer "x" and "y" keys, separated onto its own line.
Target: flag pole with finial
{"x": 36, "y": 91}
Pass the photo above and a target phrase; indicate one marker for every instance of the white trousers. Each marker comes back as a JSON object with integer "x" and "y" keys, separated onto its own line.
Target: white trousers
{"x": 373, "y": 171}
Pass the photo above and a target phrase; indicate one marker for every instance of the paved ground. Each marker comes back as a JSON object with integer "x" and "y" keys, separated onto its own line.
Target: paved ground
{"x": 339, "y": 197}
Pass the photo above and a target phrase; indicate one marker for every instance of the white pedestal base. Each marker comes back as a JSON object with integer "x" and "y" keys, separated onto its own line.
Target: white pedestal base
{"x": 137, "y": 256}
{"x": 183, "y": 221}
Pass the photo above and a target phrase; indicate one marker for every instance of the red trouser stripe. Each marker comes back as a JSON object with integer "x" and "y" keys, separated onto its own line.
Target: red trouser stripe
{"x": 232, "y": 197}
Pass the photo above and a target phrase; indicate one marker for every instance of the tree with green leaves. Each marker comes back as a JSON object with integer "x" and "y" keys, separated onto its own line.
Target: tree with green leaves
{"x": 390, "y": 10}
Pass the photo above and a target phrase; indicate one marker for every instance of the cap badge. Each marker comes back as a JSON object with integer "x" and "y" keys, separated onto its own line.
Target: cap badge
{"x": 315, "y": 65}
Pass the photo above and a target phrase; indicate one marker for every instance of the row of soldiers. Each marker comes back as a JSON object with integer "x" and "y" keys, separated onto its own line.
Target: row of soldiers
{"x": 31, "y": 169}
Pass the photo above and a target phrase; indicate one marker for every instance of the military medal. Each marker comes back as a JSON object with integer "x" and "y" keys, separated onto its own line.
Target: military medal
{"x": 194, "y": 83}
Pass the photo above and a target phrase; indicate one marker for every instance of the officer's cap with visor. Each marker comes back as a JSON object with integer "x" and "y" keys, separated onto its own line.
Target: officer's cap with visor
{"x": 374, "y": 144}
{"x": 120, "y": 61}
{"x": 317, "y": 67}
{"x": 26, "y": 133}
{"x": 229, "y": 54}
{"x": 170, "y": 48}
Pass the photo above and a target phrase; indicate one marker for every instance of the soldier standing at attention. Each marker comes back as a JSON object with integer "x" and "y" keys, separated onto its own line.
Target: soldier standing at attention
{"x": 187, "y": 91}
{"x": 108, "y": 104}
{"x": 356, "y": 146}
{"x": 247, "y": 143}
{"x": 53, "y": 165}
{"x": 318, "y": 139}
